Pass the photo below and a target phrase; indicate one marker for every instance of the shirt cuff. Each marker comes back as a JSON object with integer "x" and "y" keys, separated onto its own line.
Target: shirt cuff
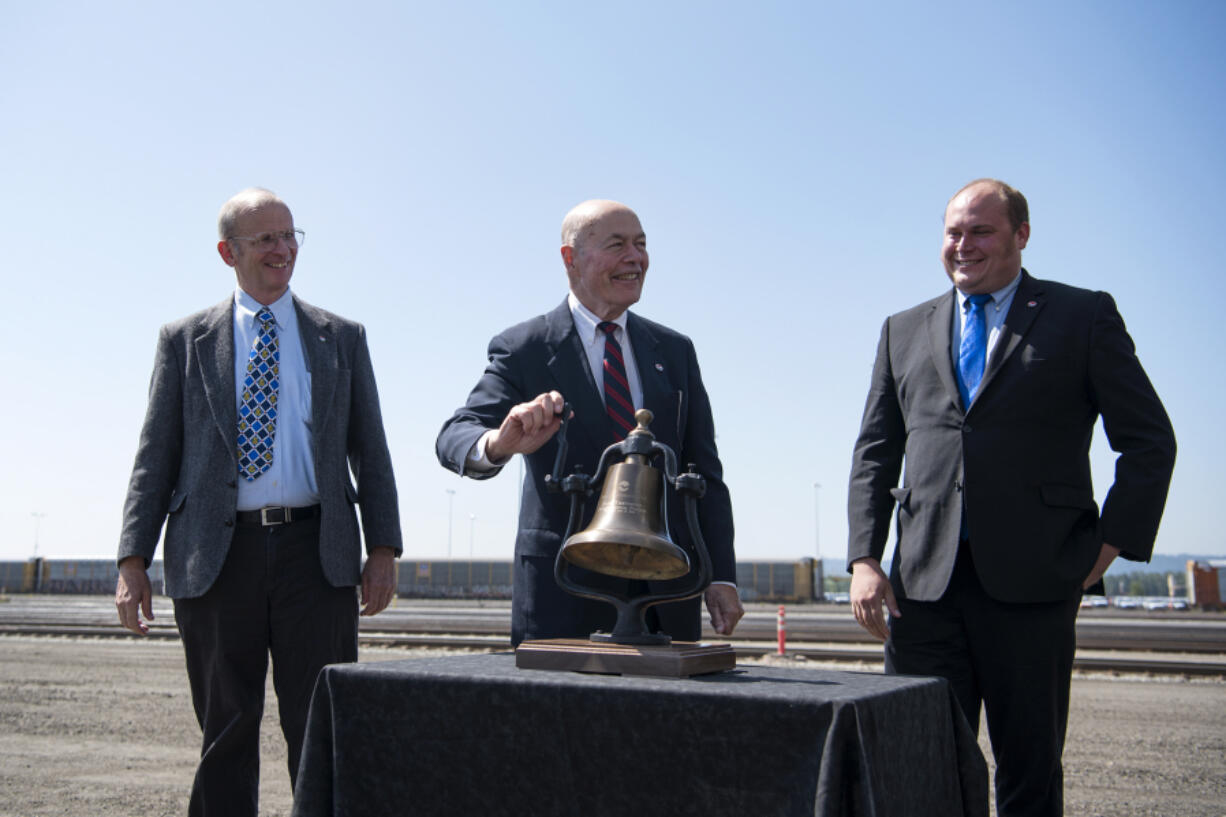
{"x": 478, "y": 459}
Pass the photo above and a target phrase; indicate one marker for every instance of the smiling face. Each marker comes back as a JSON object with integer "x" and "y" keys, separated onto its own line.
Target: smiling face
{"x": 982, "y": 251}
{"x": 607, "y": 259}
{"x": 264, "y": 275}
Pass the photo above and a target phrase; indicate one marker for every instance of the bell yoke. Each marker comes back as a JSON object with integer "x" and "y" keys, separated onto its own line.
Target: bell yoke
{"x": 628, "y": 536}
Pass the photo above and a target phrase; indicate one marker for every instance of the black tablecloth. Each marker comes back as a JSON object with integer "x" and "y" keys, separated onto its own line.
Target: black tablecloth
{"x": 473, "y": 736}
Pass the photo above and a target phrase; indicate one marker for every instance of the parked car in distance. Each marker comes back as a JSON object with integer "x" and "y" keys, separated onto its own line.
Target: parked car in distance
{"x": 1169, "y": 603}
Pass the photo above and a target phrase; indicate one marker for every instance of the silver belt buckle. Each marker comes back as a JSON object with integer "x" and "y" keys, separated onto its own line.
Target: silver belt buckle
{"x": 266, "y": 522}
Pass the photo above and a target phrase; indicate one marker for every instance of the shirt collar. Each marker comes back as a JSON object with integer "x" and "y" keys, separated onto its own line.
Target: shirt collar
{"x": 998, "y": 297}
{"x": 586, "y": 321}
{"x": 282, "y": 308}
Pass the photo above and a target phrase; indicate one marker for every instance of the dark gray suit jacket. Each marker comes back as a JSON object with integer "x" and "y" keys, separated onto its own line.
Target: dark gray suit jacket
{"x": 1019, "y": 457}
{"x": 186, "y": 469}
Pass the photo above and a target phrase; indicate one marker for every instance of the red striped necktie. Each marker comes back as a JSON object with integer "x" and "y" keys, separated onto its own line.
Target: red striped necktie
{"x": 617, "y": 399}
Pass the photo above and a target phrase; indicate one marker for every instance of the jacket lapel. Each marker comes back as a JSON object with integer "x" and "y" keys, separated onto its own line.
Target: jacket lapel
{"x": 215, "y": 351}
{"x": 940, "y": 340}
{"x": 319, "y": 349}
{"x": 570, "y": 370}
{"x": 659, "y": 397}
{"x": 1027, "y": 303}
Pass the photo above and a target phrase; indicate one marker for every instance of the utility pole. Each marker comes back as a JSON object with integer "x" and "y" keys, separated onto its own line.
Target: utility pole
{"x": 450, "y": 504}
{"x": 819, "y": 574}
{"x": 38, "y": 518}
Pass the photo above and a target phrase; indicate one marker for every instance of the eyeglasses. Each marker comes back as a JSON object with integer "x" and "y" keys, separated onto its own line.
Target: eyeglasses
{"x": 266, "y": 242}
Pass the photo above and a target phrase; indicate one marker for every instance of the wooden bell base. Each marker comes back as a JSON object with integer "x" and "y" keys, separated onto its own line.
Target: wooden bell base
{"x": 679, "y": 659}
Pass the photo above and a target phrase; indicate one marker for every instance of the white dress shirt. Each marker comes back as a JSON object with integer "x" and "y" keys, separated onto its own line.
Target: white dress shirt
{"x": 587, "y": 324}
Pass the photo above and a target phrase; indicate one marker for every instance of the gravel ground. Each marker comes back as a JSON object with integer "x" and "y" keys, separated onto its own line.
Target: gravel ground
{"x": 104, "y": 728}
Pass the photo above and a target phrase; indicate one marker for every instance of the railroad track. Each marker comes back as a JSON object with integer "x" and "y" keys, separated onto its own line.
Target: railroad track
{"x": 1190, "y": 646}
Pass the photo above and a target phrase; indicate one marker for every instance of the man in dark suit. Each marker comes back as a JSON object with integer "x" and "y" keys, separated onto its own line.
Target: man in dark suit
{"x": 989, "y": 394}
{"x": 262, "y": 551}
{"x": 516, "y": 408}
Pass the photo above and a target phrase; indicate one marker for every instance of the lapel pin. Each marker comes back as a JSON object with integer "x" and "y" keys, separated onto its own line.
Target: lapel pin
{"x": 322, "y": 339}
{"x": 659, "y": 367}
{"x": 1032, "y": 303}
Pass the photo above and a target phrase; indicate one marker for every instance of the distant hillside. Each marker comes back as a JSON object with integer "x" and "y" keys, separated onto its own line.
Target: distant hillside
{"x": 1161, "y": 563}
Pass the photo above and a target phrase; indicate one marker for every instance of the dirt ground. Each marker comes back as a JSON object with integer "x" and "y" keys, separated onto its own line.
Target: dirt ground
{"x": 104, "y": 728}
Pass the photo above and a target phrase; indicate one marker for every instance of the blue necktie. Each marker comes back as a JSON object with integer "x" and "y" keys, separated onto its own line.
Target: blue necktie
{"x": 257, "y": 414}
{"x": 617, "y": 400}
{"x": 972, "y": 352}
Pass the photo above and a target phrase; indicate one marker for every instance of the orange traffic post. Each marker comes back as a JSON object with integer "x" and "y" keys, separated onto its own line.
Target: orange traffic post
{"x": 783, "y": 632}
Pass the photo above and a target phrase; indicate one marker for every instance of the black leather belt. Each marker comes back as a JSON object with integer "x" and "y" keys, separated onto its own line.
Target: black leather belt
{"x": 265, "y": 517}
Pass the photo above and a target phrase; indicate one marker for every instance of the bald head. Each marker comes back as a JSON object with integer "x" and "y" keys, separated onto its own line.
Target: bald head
{"x": 582, "y": 219}
{"x": 1011, "y": 199}
{"x": 246, "y": 201}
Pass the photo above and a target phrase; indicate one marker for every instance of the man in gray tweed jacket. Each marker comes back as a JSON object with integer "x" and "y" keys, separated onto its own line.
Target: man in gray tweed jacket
{"x": 259, "y": 559}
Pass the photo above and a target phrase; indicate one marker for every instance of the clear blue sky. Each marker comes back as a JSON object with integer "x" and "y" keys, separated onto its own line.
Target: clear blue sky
{"x": 790, "y": 163}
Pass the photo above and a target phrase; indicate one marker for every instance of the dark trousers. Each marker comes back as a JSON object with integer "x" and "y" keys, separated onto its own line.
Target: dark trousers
{"x": 271, "y": 598}
{"x": 1015, "y": 659}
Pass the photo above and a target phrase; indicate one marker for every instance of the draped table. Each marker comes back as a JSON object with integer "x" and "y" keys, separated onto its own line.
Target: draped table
{"x": 474, "y": 736}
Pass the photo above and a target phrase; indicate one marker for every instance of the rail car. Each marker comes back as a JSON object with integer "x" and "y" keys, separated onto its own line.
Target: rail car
{"x": 68, "y": 576}
{"x": 781, "y": 581}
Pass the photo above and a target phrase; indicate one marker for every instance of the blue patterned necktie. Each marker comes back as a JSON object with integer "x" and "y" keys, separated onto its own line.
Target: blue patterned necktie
{"x": 257, "y": 414}
{"x": 617, "y": 400}
{"x": 973, "y": 350}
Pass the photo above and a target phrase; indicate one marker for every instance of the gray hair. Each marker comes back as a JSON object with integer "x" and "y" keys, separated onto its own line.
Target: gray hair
{"x": 253, "y": 198}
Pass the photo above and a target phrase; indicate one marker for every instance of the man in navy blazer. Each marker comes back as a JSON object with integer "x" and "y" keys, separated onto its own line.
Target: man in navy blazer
{"x": 998, "y": 533}
{"x": 266, "y": 563}
{"x": 516, "y": 408}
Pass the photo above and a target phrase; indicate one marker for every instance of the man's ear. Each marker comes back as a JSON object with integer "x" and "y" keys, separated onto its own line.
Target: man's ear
{"x": 568, "y": 257}
{"x": 226, "y": 252}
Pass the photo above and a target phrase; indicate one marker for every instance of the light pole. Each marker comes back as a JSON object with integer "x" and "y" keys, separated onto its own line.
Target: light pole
{"x": 450, "y": 504}
{"x": 817, "y": 519}
{"x": 819, "y": 575}
{"x": 472, "y": 527}
{"x": 38, "y": 518}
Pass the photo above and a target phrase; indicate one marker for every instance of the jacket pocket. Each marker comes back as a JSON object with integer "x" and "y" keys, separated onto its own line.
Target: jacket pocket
{"x": 902, "y": 496}
{"x": 1067, "y": 496}
{"x": 538, "y": 542}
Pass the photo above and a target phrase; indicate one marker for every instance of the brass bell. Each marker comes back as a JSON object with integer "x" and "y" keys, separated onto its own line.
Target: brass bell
{"x": 628, "y": 536}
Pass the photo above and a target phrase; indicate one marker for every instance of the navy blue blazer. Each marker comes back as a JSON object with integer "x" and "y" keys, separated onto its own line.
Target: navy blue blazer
{"x": 546, "y": 354}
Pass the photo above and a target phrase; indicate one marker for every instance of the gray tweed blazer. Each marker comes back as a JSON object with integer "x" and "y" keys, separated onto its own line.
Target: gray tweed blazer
{"x": 186, "y": 469}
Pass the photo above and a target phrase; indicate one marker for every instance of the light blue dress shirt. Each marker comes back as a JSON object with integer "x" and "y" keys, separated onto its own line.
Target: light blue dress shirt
{"x": 994, "y": 312}
{"x": 290, "y": 480}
